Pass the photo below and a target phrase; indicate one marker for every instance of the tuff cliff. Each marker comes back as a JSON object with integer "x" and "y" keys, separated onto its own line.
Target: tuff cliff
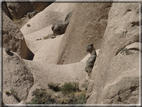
{"x": 112, "y": 28}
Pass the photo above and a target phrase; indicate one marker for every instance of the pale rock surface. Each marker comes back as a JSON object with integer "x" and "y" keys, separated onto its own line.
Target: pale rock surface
{"x": 134, "y": 46}
{"x": 35, "y": 40}
{"x": 45, "y": 18}
{"x": 87, "y": 25}
{"x": 122, "y": 86}
{"x": 115, "y": 76}
{"x": 122, "y": 30}
{"x": 48, "y": 53}
{"x": 45, "y": 50}
{"x": 16, "y": 76}
{"x": 34, "y": 46}
{"x": 39, "y": 34}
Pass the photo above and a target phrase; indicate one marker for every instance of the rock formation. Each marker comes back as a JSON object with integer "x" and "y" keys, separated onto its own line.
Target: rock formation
{"x": 113, "y": 29}
{"x": 91, "y": 60}
{"x": 19, "y": 9}
{"x": 59, "y": 27}
{"x": 5, "y": 9}
{"x": 113, "y": 69}
{"x": 47, "y": 17}
{"x": 32, "y": 14}
{"x": 14, "y": 40}
{"x": 17, "y": 79}
{"x": 87, "y": 25}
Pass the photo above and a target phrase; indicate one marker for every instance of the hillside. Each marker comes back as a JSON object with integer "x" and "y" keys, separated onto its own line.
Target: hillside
{"x": 41, "y": 69}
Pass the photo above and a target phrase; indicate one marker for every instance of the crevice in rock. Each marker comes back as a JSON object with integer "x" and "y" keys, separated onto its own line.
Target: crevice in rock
{"x": 135, "y": 23}
{"x": 135, "y": 49}
{"x": 30, "y": 56}
{"x": 133, "y": 88}
{"x": 119, "y": 99}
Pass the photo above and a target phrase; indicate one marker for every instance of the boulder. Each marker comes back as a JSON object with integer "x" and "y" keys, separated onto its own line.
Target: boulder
{"x": 17, "y": 79}
{"x": 87, "y": 25}
{"x": 59, "y": 27}
{"x": 122, "y": 30}
{"x": 13, "y": 39}
{"x": 32, "y": 14}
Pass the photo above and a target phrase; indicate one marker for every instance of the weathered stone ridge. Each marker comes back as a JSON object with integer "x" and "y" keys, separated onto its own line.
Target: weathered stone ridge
{"x": 109, "y": 74}
{"x": 122, "y": 30}
{"x": 87, "y": 25}
{"x": 17, "y": 77}
{"x": 14, "y": 40}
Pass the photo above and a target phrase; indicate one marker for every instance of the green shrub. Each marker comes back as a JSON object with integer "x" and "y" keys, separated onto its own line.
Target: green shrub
{"x": 73, "y": 99}
{"x": 81, "y": 99}
{"x": 41, "y": 97}
{"x": 69, "y": 87}
{"x": 48, "y": 36}
{"x": 54, "y": 86}
{"x": 68, "y": 99}
{"x": 15, "y": 94}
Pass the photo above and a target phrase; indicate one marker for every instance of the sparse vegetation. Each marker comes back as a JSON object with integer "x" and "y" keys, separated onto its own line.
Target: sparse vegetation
{"x": 42, "y": 97}
{"x": 54, "y": 86}
{"x": 15, "y": 94}
{"x": 80, "y": 99}
{"x": 74, "y": 99}
{"x": 69, "y": 87}
{"x": 85, "y": 84}
{"x": 70, "y": 95}
{"x": 47, "y": 37}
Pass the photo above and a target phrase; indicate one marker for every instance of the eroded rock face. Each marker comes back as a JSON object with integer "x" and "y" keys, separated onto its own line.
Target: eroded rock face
{"x": 5, "y": 9}
{"x": 116, "y": 65}
{"x": 87, "y": 25}
{"x": 14, "y": 40}
{"x": 48, "y": 16}
{"x": 40, "y": 6}
{"x": 17, "y": 77}
{"x": 19, "y": 9}
{"x": 122, "y": 85}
